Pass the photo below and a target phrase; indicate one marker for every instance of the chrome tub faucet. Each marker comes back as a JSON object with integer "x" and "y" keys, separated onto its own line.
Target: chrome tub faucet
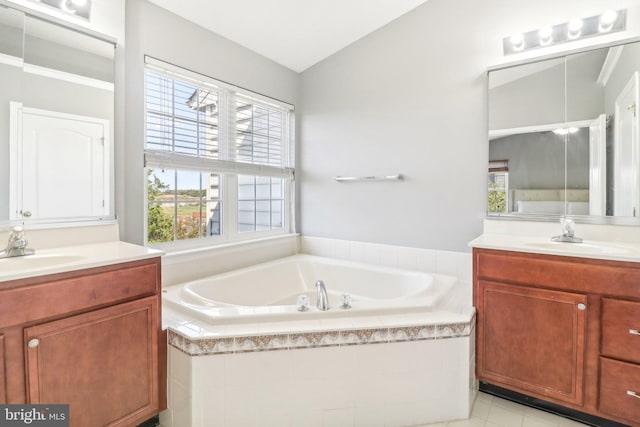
{"x": 17, "y": 244}
{"x": 322, "y": 300}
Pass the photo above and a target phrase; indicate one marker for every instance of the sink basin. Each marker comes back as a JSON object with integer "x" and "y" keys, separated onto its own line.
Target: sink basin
{"x": 36, "y": 261}
{"x": 581, "y": 248}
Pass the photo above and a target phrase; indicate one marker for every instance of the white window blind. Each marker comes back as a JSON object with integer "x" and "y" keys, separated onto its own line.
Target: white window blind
{"x": 197, "y": 122}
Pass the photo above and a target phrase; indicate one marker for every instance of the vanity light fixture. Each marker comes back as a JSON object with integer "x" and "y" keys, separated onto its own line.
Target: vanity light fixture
{"x": 546, "y": 35}
{"x": 607, "y": 20}
{"x": 576, "y": 29}
{"x": 565, "y": 131}
{"x": 517, "y": 41}
{"x": 81, "y": 8}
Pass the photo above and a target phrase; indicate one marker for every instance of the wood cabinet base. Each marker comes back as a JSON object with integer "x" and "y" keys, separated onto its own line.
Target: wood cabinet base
{"x": 561, "y": 330}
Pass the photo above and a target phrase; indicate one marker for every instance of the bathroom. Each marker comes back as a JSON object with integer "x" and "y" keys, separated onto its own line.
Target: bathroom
{"x": 407, "y": 97}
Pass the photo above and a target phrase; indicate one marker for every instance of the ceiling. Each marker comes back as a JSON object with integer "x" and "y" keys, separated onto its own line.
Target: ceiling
{"x": 294, "y": 33}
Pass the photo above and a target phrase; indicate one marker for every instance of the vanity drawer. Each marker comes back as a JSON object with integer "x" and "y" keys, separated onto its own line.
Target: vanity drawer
{"x": 86, "y": 291}
{"x": 620, "y": 389}
{"x": 558, "y": 272}
{"x": 621, "y": 329}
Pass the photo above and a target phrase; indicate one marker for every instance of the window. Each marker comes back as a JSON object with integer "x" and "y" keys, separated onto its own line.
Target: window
{"x": 498, "y": 192}
{"x": 218, "y": 160}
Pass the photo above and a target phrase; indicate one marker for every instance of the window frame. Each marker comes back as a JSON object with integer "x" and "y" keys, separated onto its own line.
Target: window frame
{"x": 227, "y": 168}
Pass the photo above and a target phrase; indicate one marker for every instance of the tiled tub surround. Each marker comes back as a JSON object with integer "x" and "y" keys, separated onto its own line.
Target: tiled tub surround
{"x": 391, "y": 369}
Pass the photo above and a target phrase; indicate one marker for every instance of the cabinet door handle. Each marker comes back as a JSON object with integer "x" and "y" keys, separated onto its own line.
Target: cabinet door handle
{"x": 582, "y": 307}
{"x": 634, "y": 332}
{"x": 33, "y": 343}
{"x": 633, "y": 393}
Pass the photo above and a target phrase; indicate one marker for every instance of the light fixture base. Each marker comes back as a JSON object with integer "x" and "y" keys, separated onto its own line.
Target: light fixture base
{"x": 562, "y": 33}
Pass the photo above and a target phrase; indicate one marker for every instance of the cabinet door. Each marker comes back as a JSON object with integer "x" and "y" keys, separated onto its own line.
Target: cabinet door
{"x": 104, "y": 364}
{"x": 3, "y": 384}
{"x": 532, "y": 340}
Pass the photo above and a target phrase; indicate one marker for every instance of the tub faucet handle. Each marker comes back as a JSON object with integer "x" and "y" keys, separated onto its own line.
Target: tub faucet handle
{"x": 346, "y": 301}
{"x": 322, "y": 300}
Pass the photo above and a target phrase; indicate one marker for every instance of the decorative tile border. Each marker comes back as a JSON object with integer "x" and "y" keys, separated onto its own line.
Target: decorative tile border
{"x": 328, "y": 338}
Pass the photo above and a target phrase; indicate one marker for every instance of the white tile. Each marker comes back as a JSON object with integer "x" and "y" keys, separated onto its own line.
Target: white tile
{"x": 274, "y": 417}
{"x": 481, "y": 409}
{"x": 181, "y": 404}
{"x": 535, "y": 422}
{"x": 337, "y": 418}
{"x": 389, "y": 255}
{"x": 408, "y": 257}
{"x": 166, "y": 418}
{"x": 471, "y": 422}
{"x": 343, "y": 249}
{"x": 427, "y": 261}
{"x": 369, "y": 253}
{"x": 505, "y": 417}
{"x": 239, "y": 406}
{"x": 447, "y": 263}
{"x": 369, "y": 416}
{"x": 509, "y": 405}
{"x": 306, "y": 418}
{"x": 485, "y": 397}
{"x": 356, "y": 251}
{"x": 564, "y": 422}
{"x": 407, "y": 414}
{"x": 180, "y": 367}
{"x": 542, "y": 416}
{"x": 319, "y": 246}
{"x": 465, "y": 267}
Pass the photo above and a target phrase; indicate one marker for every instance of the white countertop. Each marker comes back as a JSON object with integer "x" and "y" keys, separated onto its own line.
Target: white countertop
{"x": 615, "y": 251}
{"x": 72, "y": 258}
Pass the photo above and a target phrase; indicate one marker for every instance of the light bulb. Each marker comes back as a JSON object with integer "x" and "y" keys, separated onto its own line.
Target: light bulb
{"x": 67, "y": 6}
{"x": 607, "y": 20}
{"x": 546, "y": 35}
{"x": 575, "y": 25}
{"x": 517, "y": 41}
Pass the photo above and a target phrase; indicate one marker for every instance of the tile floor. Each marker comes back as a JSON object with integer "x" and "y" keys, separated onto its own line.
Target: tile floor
{"x": 491, "y": 411}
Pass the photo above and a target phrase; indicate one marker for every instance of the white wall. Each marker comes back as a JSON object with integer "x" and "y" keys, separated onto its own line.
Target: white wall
{"x": 156, "y": 32}
{"x": 412, "y": 98}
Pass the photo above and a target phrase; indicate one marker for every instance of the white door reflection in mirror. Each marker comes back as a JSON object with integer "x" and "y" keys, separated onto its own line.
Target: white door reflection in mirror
{"x": 62, "y": 163}
{"x": 598, "y": 166}
{"x": 627, "y": 150}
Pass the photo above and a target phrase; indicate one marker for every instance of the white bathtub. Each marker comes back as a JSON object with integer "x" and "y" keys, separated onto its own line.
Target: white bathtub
{"x": 269, "y": 291}
{"x": 240, "y": 354}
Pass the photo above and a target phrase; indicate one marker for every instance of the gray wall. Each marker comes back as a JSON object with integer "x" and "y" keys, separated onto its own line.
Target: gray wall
{"x": 412, "y": 98}
{"x": 537, "y": 160}
{"x": 156, "y": 32}
{"x": 539, "y": 98}
{"x": 535, "y": 99}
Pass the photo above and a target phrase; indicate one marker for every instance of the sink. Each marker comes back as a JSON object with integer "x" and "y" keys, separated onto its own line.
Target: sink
{"x": 37, "y": 261}
{"x": 581, "y": 248}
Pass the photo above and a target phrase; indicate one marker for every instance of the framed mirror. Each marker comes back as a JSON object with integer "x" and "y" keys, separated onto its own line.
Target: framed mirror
{"x": 56, "y": 122}
{"x": 564, "y": 137}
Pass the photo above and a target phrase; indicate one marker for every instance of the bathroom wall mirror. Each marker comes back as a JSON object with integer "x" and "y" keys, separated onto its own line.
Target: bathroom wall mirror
{"x": 564, "y": 137}
{"x": 56, "y": 122}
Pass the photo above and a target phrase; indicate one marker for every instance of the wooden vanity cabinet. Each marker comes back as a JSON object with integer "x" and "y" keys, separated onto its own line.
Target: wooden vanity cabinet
{"x": 3, "y": 388}
{"x": 91, "y": 339}
{"x": 560, "y": 329}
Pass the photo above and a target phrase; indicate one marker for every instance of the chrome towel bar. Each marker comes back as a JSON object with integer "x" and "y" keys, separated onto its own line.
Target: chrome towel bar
{"x": 397, "y": 177}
